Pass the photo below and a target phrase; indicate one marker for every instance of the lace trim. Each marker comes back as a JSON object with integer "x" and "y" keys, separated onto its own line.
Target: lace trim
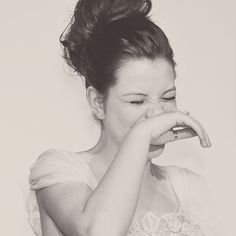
{"x": 34, "y": 215}
{"x": 183, "y": 223}
{"x": 180, "y": 223}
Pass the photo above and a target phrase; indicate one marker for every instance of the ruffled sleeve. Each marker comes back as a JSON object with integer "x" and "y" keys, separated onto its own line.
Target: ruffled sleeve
{"x": 193, "y": 191}
{"x": 56, "y": 166}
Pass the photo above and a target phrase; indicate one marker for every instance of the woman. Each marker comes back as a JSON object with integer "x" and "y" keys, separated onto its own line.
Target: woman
{"x": 114, "y": 188}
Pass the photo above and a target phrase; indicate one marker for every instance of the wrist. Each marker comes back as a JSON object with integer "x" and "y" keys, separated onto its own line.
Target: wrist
{"x": 140, "y": 132}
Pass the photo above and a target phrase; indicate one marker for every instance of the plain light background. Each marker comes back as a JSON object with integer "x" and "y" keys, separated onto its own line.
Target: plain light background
{"x": 43, "y": 104}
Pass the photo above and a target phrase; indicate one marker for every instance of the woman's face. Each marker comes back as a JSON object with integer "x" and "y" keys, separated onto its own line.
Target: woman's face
{"x": 141, "y": 84}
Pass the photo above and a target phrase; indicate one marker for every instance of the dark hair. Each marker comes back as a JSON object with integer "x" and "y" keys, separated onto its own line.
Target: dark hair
{"x": 102, "y": 33}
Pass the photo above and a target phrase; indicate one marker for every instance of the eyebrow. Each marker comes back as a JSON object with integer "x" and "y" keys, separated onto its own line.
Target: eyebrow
{"x": 143, "y": 94}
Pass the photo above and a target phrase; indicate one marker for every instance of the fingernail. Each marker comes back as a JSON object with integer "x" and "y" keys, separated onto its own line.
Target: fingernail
{"x": 204, "y": 143}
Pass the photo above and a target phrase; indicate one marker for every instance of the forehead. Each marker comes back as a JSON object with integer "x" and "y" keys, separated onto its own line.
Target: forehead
{"x": 150, "y": 76}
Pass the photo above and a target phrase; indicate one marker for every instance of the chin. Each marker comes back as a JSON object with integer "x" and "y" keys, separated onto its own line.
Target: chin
{"x": 155, "y": 151}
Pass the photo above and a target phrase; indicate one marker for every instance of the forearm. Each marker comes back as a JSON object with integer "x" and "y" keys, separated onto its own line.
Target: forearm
{"x": 111, "y": 206}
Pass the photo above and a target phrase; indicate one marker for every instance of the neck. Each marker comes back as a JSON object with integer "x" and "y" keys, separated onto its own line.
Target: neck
{"x": 105, "y": 151}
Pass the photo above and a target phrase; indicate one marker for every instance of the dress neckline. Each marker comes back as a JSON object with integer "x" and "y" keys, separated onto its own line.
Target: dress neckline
{"x": 177, "y": 199}
{"x": 167, "y": 175}
{"x": 169, "y": 180}
{"x": 173, "y": 193}
{"x": 150, "y": 219}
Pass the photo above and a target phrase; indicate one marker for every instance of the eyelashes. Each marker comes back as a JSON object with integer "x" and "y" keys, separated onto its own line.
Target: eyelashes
{"x": 170, "y": 98}
{"x": 138, "y": 102}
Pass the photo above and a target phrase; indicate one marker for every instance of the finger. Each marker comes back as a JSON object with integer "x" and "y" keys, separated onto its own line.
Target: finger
{"x": 183, "y": 134}
{"x": 196, "y": 126}
{"x": 170, "y": 137}
{"x": 205, "y": 133}
{"x": 180, "y": 119}
{"x": 204, "y": 138}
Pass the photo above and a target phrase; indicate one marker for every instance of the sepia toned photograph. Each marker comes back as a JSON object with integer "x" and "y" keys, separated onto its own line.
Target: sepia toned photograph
{"x": 118, "y": 118}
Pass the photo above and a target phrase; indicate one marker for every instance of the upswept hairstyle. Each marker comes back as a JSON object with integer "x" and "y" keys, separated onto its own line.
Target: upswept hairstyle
{"x": 103, "y": 33}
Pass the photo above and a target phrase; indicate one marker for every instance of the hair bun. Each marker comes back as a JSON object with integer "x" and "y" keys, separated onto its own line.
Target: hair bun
{"x": 94, "y": 14}
{"x": 90, "y": 17}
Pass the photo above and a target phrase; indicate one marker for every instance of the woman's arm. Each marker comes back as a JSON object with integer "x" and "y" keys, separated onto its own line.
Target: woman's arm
{"x": 109, "y": 209}
{"x": 111, "y": 206}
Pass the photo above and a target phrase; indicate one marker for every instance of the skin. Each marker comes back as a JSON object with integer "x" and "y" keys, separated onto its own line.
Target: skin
{"x": 127, "y": 121}
{"x": 155, "y": 80}
{"x": 144, "y": 88}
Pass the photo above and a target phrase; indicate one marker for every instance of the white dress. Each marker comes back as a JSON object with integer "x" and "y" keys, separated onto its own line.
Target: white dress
{"x": 193, "y": 216}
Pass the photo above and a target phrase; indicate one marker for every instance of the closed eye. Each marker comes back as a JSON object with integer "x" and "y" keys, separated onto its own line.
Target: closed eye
{"x": 136, "y": 102}
{"x": 169, "y": 99}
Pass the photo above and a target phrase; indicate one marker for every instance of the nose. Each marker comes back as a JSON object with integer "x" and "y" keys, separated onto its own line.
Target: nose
{"x": 155, "y": 110}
